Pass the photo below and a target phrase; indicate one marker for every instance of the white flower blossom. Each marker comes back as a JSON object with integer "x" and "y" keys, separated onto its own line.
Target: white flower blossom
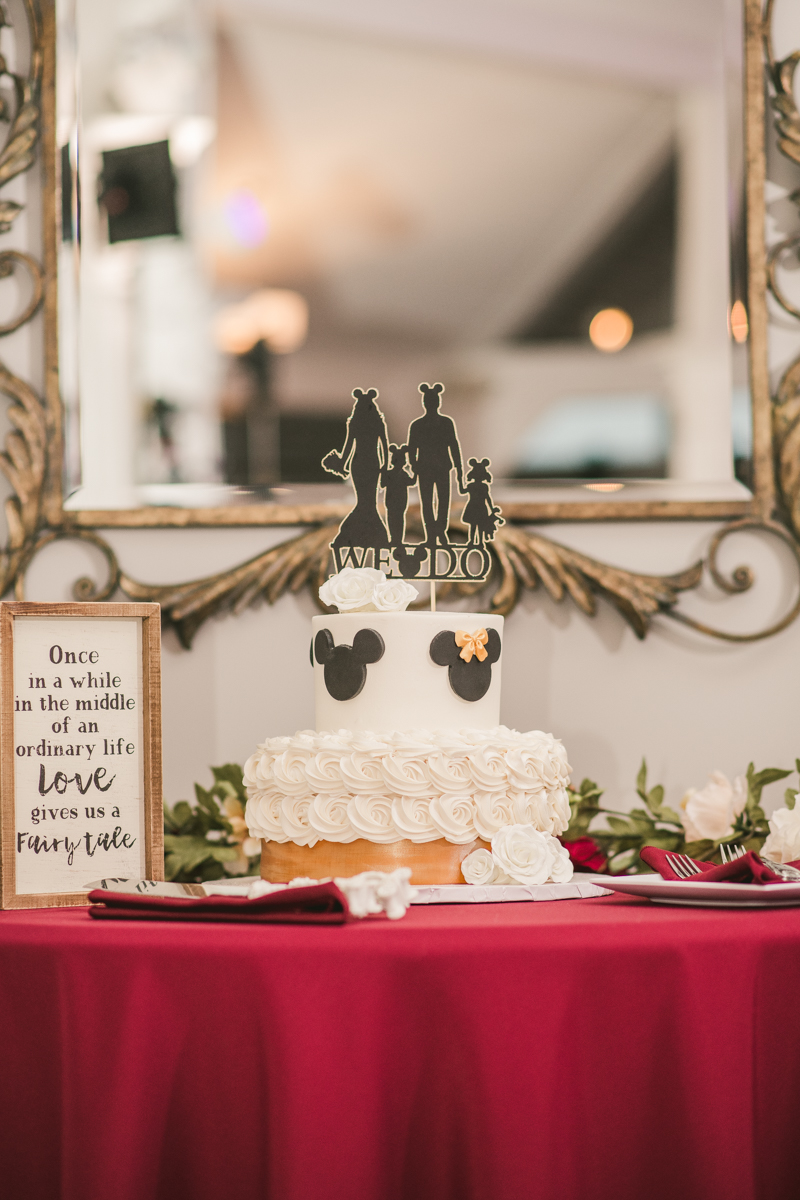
{"x": 783, "y": 843}
{"x": 529, "y": 856}
{"x": 353, "y": 589}
{"x": 479, "y": 868}
{"x": 711, "y": 812}
{"x": 394, "y": 595}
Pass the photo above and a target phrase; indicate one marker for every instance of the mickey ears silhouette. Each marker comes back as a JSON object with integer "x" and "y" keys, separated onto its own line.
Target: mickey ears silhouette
{"x": 469, "y": 680}
{"x": 431, "y": 389}
{"x": 359, "y": 395}
{"x": 345, "y": 667}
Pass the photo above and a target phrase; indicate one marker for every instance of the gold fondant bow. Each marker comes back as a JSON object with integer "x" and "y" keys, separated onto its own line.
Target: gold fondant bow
{"x": 472, "y": 643}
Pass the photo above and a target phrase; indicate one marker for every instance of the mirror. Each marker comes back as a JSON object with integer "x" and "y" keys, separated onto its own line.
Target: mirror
{"x": 263, "y": 209}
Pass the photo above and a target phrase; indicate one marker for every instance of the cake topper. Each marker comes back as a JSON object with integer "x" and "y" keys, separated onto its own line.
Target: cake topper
{"x": 431, "y": 459}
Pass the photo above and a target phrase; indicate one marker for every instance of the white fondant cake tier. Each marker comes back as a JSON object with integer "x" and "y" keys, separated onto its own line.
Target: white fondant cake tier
{"x": 405, "y": 689}
{"x": 420, "y": 785}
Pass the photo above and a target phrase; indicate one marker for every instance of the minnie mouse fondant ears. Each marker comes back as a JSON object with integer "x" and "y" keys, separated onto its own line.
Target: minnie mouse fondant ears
{"x": 345, "y": 667}
{"x": 468, "y": 658}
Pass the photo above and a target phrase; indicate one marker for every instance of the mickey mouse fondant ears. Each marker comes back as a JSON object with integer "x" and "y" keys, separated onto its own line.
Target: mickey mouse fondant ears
{"x": 468, "y": 658}
{"x": 346, "y": 666}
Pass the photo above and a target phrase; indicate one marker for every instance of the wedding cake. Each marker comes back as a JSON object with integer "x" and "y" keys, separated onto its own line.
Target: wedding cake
{"x": 409, "y": 764}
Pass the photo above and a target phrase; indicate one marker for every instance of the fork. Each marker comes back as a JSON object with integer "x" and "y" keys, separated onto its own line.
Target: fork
{"x": 683, "y": 866}
{"x": 788, "y": 874}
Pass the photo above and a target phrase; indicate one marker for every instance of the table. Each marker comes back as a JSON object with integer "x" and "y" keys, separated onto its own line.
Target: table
{"x": 601, "y": 1049}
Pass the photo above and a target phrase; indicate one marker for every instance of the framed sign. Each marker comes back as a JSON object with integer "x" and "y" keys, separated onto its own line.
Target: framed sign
{"x": 80, "y": 749}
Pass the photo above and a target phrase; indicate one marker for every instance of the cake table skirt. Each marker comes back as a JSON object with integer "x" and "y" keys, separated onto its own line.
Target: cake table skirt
{"x": 431, "y": 862}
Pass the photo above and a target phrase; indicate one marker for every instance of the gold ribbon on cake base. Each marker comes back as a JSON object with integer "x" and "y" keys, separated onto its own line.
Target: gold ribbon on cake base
{"x": 431, "y": 862}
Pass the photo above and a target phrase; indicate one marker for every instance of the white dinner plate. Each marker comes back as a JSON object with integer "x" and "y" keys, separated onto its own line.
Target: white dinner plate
{"x": 705, "y": 895}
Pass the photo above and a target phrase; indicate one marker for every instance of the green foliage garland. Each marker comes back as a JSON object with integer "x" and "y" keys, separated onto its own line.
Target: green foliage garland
{"x": 626, "y": 833}
{"x": 207, "y": 840}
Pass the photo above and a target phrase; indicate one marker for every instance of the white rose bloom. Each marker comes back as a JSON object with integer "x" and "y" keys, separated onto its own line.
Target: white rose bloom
{"x": 783, "y": 843}
{"x": 561, "y": 868}
{"x": 249, "y": 773}
{"x": 371, "y": 818}
{"x": 324, "y": 773}
{"x": 479, "y": 868}
{"x": 263, "y": 816}
{"x": 493, "y": 810}
{"x": 289, "y": 772}
{"x": 328, "y": 816}
{"x": 488, "y": 767}
{"x": 523, "y": 853}
{"x": 453, "y": 817}
{"x": 412, "y": 819}
{"x": 406, "y": 776}
{"x": 527, "y": 768}
{"x": 561, "y": 813}
{"x": 352, "y": 590}
{"x": 294, "y": 820}
{"x": 449, "y": 774}
{"x": 362, "y": 773}
{"x": 710, "y": 813}
{"x": 394, "y": 595}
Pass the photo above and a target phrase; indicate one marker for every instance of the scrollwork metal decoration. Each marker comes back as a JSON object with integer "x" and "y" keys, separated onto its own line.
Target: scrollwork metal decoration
{"x": 522, "y": 559}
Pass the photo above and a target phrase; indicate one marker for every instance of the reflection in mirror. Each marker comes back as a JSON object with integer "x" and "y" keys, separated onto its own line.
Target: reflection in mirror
{"x": 260, "y": 214}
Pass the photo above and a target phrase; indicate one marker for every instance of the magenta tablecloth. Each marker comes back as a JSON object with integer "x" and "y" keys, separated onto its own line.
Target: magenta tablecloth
{"x": 577, "y": 1050}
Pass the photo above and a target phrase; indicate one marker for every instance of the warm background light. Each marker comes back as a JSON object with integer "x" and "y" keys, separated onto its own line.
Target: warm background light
{"x": 739, "y": 323}
{"x": 604, "y": 487}
{"x": 610, "y": 330}
{"x": 277, "y": 315}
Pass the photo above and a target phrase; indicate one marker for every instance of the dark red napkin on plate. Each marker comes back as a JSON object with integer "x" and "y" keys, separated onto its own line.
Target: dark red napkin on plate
{"x": 747, "y": 869}
{"x": 317, "y": 904}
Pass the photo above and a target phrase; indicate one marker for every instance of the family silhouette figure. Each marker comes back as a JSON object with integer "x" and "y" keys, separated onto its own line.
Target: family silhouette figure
{"x": 429, "y": 458}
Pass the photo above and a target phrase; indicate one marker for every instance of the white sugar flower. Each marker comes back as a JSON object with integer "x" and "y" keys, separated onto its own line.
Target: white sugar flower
{"x": 352, "y": 590}
{"x": 783, "y": 843}
{"x": 394, "y": 595}
{"x": 528, "y": 856}
{"x": 562, "y": 869}
{"x": 710, "y": 812}
{"x": 479, "y": 868}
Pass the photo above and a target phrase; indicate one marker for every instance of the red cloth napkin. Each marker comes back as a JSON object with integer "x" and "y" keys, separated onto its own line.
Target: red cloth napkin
{"x": 747, "y": 869}
{"x": 317, "y": 904}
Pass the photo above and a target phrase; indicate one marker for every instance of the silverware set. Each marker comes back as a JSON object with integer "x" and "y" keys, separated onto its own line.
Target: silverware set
{"x": 685, "y": 868}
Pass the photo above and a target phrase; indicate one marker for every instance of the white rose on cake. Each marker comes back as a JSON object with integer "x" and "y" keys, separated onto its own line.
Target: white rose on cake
{"x": 528, "y": 856}
{"x": 352, "y": 590}
{"x": 479, "y": 868}
{"x": 783, "y": 843}
{"x": 394, "y": 595}
{"x": 363, "y": 589}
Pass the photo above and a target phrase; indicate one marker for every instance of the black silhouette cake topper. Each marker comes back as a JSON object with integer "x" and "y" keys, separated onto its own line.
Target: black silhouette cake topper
{"x": 431, "y": 458}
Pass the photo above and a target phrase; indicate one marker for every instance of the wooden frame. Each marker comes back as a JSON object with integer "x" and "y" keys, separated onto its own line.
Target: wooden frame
{"x": 147, "y": 763}
{"x": 523, "y": 559}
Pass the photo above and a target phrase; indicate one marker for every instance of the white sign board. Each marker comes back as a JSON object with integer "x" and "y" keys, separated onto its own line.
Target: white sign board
{"x": 79, "y": 745}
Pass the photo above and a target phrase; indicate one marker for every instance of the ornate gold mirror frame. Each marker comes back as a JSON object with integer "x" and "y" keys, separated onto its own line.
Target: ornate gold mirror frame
{"x": 32, "y": 460}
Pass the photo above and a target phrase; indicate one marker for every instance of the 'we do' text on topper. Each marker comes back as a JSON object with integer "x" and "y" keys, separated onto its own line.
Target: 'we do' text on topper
{"x": 428, "y": 458}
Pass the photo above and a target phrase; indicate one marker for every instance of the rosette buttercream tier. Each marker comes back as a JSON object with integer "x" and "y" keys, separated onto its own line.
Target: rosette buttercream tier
{"x": 418, "y": 786}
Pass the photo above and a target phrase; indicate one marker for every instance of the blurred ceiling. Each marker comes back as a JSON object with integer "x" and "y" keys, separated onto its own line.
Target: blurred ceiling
{"x": 421, "y": 178}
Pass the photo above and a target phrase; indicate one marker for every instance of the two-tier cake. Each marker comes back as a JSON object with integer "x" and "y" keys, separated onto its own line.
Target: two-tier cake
{"x": 408, "y": 765}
